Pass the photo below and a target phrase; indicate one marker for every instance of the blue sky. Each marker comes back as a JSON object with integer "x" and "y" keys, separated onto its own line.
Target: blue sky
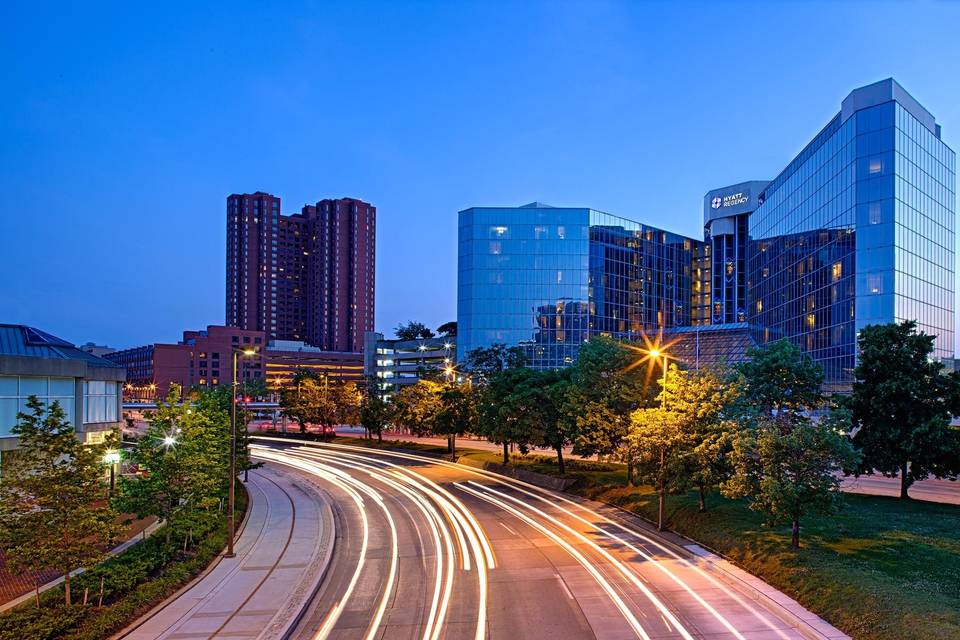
{"x": 123, "y": 128}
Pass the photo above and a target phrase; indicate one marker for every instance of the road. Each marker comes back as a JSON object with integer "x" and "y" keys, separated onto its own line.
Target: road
{"x": 430, "y": 549}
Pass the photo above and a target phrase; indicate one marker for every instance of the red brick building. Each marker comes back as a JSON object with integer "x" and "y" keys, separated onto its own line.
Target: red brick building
{"x": 308, "y": 276}
{"x": 204, "y": 359}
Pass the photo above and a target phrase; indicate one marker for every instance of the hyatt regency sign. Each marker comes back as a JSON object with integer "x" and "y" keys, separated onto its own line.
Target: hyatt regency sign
{"x": 731, "y": 200}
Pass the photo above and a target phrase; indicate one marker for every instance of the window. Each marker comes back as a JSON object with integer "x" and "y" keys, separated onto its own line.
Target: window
{"x": 100, "y": 400}
{"x": 15, "y": 390}
{"x": 873, "y": 284}
{"x": 876, "y": 165}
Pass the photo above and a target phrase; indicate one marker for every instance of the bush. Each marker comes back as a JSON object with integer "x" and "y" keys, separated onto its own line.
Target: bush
{"x": 133, "y": 582}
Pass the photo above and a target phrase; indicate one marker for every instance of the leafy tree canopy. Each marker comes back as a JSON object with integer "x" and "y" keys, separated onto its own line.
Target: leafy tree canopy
{"x": 780, "y": 379}
{"x": 483, "y": 363}
{"x": 901, "y": 406}
{"x": 448, "y": 329}
{"x": 412, "y": 331}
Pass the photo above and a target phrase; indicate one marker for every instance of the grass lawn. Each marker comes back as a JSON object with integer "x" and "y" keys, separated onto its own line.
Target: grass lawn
{"x": 881, "y": 568}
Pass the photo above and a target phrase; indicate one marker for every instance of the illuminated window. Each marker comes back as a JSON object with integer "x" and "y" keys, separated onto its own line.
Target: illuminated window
{"x": 874, "y": 284}
{"x": 876, "y": 165}
{"x": 837, "y": 271}
{"x": 874, "y": 213}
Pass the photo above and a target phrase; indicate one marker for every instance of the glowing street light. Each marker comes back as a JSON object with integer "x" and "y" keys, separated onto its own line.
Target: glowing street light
{"x": 231, "y": 496}
{"x": 653, "y": 352}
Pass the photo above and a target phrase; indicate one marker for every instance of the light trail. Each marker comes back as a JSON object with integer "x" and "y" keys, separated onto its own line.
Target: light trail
{"x": 621, "y": 567}
{"x": 344, "y": 482}
{"x": 510, "y": 482}
{"x": 443, "y": 587}
{"x": 579, "y": 557}
{"x": 334, "y": 614}
{"x": 462, "y": 522}
{"x": 645, "y": 556}
{"x": 466, "y": 528}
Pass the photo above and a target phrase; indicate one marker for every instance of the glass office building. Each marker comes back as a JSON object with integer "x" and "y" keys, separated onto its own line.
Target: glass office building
{"x": 858, "y": 229}
{"x": 547, "y": 278}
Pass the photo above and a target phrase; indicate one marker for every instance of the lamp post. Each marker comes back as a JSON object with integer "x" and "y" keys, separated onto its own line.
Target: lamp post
{"x": 112, "y": 458}
{"x": 654, "y": 353}
{"x": 231, "y": 496}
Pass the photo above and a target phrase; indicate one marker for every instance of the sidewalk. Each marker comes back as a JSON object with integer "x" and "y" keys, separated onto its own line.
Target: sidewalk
{"x": 281, "y": 555}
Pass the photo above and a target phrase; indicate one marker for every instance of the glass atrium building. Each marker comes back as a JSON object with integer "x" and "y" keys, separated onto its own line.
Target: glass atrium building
{"x": 546, "y": 278}
{"x": 858, "y": 229}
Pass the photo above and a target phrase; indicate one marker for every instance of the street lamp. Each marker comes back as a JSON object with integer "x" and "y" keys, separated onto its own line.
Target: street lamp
{"x": 231, "y": 496}
{"x": 653, "y": 353}
{"x": 112, "y": 458}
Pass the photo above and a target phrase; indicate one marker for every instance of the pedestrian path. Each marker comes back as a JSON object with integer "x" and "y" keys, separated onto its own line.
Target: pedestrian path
{"x": 281, "y": 554}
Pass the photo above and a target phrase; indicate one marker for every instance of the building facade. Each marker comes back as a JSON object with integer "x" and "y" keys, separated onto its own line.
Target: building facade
{"x": 858, "y": 229}
{"x": 305, "y": 277}
{"x": 204, "y": 359}
{"x": 35, "y": 363}
{"x": 547, "y": 278}
{"x": 399, "y": 363}
{"x": 283, "y": 358}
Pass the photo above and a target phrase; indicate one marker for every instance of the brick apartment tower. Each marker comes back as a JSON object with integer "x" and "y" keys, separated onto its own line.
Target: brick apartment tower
{"x": 307, "y": 276}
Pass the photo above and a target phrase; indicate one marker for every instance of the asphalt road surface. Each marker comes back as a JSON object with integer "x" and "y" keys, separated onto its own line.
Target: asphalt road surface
{"x": 429, "y": 549}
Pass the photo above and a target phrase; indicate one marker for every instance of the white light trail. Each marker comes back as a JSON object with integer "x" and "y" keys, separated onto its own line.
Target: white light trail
{"x": 579, "y": 557}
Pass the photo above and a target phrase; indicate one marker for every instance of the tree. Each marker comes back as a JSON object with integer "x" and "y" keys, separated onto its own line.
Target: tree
{"x": 413, "y": 331}
{"x": 901, "y": 406}
{"x": 684, "y": 442}
{"x": 183, "y": 462}
{"x": 448, "y": 329}
{"x": 785, "y": 463}
{"x": 788, "y": 473}
{"x": 780, "y": 381}
{"x": 499, "y": 412}
{"x": 415, "y": 406}
{"x": 456, "y": 414}
{"x": 657, "y": 445}
{"x": 53, "y": 514}
{"x": 606, "y": 387}
{"x": 314, "y": 399}
{"x": 548, "y": 394}
{"x": 345, "y": 400}
{"x": 253, "y": 388}
{"x": 483, "y": 363}
{"x": 705, "y": 401}
{"x": 218, "y": 399}
{"x": 375, "y": 412}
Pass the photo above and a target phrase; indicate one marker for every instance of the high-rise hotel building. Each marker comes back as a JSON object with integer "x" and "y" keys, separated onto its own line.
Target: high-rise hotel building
{"x": 858, "y": 229}
{"x": 309, "y": 276}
